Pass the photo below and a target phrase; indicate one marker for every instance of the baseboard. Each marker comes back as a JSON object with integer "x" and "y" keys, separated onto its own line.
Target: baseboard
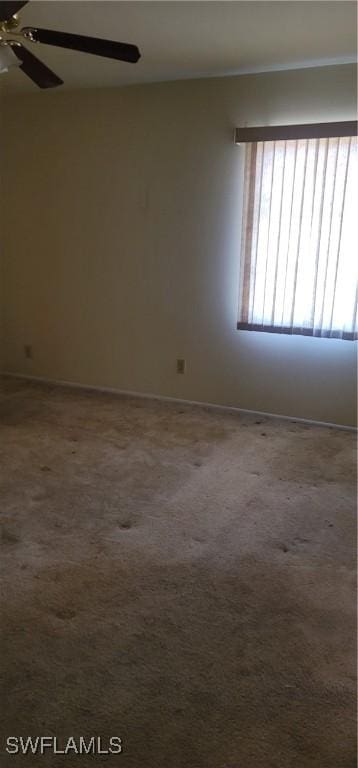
{"x": 165, "y": 398}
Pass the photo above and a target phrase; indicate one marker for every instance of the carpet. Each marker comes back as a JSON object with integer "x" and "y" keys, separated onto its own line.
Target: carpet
{"x": 180, "y": 577}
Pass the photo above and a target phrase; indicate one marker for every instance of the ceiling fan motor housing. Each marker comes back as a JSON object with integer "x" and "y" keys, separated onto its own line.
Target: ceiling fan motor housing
{"x": 10, "y": 24}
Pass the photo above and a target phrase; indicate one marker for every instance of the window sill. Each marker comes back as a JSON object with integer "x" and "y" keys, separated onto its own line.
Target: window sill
{"x": 347, "y": 336}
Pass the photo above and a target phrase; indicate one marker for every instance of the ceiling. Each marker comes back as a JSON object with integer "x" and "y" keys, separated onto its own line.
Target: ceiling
{"x": 181, "y": 40}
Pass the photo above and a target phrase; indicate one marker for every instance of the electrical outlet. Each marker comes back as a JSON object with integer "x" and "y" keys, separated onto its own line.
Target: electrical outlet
{"x": 181, "y": 365}
{"x": 28, "y": 351}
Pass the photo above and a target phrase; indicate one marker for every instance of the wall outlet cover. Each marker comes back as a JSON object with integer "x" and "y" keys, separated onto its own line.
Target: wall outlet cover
{"x": 181, "y": 365}
{"x": 28, "y": 351}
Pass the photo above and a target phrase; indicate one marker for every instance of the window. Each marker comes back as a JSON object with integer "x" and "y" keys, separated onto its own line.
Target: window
{"x": 299, "y": 240}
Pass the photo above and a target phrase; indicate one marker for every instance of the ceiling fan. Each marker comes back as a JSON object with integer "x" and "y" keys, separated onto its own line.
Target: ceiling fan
{"x": 14, "y": 53}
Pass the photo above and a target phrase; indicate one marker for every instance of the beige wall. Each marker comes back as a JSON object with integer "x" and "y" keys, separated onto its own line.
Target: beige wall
{"x": 121, "y": 242}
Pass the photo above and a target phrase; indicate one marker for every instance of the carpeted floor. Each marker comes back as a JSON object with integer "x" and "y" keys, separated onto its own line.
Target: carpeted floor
{"x": 178, "y": 576}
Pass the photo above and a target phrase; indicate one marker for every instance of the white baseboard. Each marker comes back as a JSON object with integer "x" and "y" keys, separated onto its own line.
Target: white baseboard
{"x": 178, "y": 400}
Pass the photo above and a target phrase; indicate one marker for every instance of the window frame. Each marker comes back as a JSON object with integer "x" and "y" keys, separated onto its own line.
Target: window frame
{"x": 253, "y": 135}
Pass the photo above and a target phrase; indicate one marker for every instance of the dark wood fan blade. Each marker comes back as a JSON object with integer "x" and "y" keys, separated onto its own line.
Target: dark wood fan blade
{"x": 108, "y": 48}
{"x": 35, "y": 69}
{"x": 8, "y": 9}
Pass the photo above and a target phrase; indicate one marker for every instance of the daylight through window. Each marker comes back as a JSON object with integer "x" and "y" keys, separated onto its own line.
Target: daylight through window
{"x": 299, "y": 241}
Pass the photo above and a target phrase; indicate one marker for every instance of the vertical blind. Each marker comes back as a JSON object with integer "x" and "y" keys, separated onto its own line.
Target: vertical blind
{"x": 299, "y": 240}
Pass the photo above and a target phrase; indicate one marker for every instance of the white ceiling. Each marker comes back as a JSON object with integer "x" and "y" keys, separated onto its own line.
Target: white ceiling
{"x": 191, "y": 39}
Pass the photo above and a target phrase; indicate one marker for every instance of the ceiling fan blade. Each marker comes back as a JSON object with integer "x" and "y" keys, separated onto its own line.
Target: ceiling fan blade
{"x": 108, "y": 48}
{"x": 34, "y": 68}
{"x": 8, "y": 9}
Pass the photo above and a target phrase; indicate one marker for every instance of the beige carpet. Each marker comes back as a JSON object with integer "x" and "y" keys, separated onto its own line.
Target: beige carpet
{"x": 178, "y": 576}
